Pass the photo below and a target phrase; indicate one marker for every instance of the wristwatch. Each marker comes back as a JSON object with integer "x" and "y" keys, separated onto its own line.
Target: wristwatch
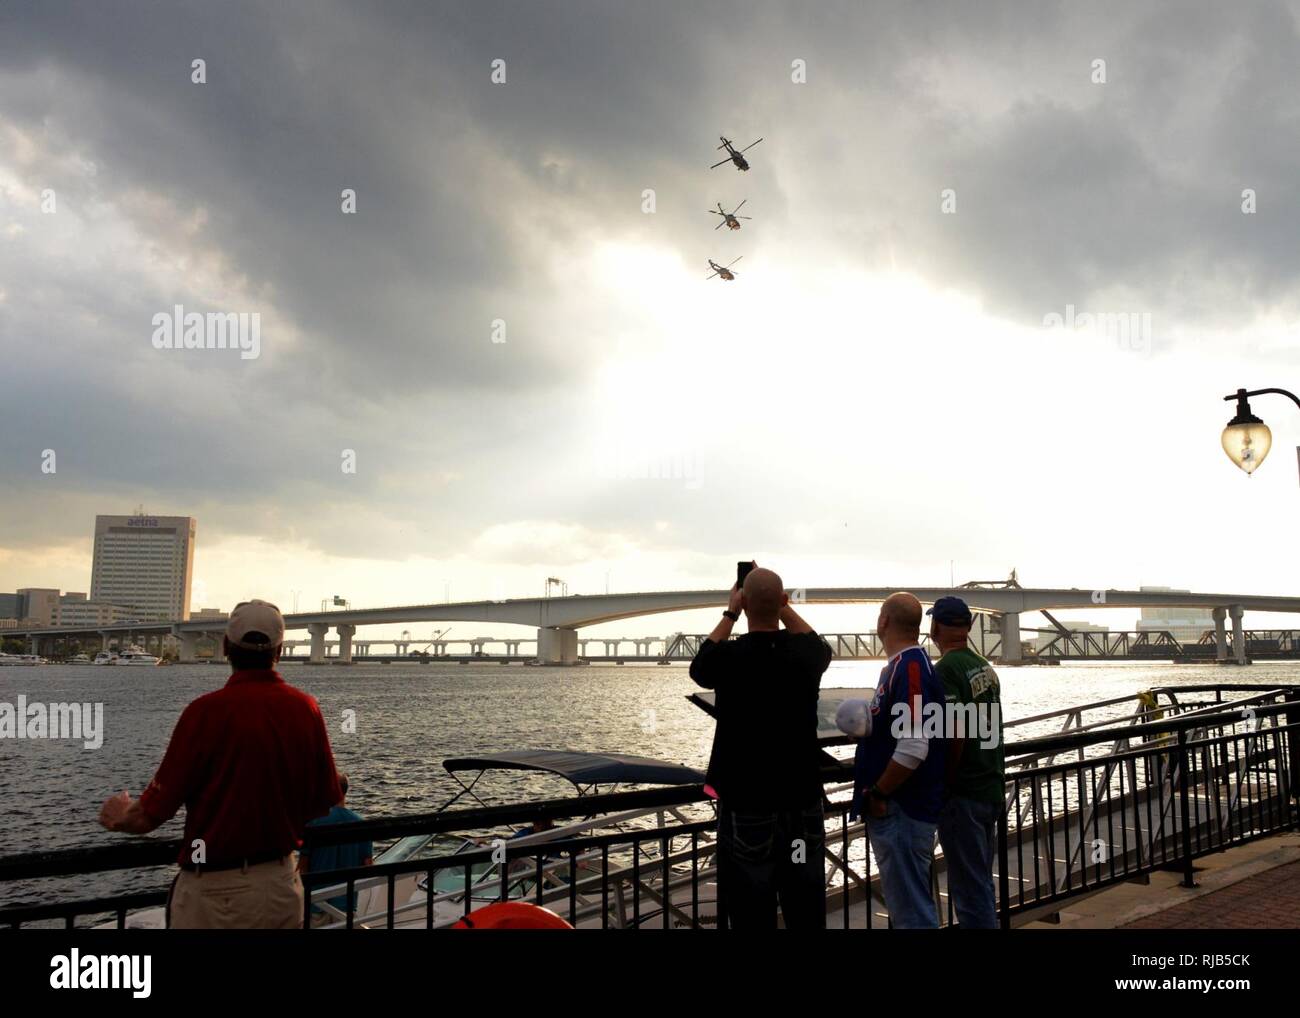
{"x": 876, "y": 793}
{"x": 734, "y": 616}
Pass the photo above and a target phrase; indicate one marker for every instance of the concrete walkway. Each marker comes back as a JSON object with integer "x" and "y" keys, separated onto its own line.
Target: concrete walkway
{"x": 1254, "y": 886}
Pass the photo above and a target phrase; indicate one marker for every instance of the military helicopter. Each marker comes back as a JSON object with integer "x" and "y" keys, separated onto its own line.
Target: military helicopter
{"x": 729, "y": 218}
{"x": 722, "y": 270}
{"x": 732, "y": 155}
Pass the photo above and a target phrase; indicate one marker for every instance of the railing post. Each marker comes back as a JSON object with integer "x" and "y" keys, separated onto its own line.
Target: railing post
{"x": 1185, "y": 810}
{"x": 1004, "y": 878}
{"x": 1292, "y": 697}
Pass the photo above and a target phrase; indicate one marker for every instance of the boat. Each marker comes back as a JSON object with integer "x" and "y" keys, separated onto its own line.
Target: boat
{"x": 105, "y": 657}
{"x": 79, "y": 659}
{"x": 21, "y": 660}
{"x": 136, "y": 657}
{"x": 590, "y": 774}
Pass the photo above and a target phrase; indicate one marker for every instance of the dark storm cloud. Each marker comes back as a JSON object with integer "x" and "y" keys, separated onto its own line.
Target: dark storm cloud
{"x": 474, "y": 199}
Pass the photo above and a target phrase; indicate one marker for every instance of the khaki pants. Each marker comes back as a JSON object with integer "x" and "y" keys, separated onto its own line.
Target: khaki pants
{"x": 266, "y": 896}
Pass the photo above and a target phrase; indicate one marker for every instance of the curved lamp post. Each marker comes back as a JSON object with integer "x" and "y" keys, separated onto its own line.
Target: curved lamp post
{"x": 1246, "y": 439}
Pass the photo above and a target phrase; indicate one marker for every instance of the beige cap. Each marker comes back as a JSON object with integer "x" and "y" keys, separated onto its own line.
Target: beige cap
{"x": 255, "y": 617}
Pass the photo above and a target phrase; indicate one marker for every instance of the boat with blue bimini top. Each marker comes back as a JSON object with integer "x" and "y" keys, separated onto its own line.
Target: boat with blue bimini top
{"x": 1096, "y": 794}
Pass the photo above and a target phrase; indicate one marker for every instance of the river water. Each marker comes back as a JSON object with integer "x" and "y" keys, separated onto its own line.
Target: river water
{"x": 409, "y": 718}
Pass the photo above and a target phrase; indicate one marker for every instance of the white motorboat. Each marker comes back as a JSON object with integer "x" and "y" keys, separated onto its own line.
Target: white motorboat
{"x": 21, "y": 660}
{"x": 79, "y": 659}
{"x": 105, "y": 657}
{"x": 137, "y": 657}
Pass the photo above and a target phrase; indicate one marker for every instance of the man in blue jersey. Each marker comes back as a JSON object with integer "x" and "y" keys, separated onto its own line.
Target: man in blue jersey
{"x": 899, "y": 768}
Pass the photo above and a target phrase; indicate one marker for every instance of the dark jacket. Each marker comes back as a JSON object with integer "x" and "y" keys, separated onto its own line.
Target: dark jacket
{"x": 765, "y": 753}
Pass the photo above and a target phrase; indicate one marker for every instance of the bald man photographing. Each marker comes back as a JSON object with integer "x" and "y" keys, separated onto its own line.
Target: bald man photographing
{"x": 765, "y": 767}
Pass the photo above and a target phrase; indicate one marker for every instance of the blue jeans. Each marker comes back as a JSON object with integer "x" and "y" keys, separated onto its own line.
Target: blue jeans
{"x": 904, "y": 850}
{"x": 967, "y": 828}
{"x": 766, "y": 857}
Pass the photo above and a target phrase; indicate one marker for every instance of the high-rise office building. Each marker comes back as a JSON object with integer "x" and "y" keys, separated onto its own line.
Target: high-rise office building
{"x": 144, "y": 562}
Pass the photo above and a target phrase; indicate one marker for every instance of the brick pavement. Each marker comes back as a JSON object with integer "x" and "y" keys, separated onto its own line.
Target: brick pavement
{"x": 1268, "y": 900}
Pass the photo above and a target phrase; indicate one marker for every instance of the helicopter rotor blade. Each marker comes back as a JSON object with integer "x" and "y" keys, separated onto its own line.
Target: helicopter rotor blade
{"x": 723, "y": 163}
{"x": 744, "y": 217}
{"x": 748, "y": 147}
{"x": 738, "y": 207}
{"x": 721, "y": 224}
{"x": 731, "y": 263}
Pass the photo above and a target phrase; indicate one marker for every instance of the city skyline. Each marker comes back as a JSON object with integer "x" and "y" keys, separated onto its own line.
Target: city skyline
{"x": 1184, "y": 624}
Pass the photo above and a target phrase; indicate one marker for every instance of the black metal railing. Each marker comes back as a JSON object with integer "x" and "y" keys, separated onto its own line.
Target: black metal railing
{"x": 1156, "y": 789}
{"x": 1175, "y": 789}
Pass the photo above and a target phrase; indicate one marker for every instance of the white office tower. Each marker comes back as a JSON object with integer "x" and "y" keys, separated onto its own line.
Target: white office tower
{"x": 144, "y": 562}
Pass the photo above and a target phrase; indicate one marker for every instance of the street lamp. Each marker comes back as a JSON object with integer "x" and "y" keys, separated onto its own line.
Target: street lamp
{"x": 1246, "y": 439}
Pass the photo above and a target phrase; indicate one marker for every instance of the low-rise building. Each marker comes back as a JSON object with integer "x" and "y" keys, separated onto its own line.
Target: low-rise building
{"x": 1187, "y": 625}
{"x": 40, "y": 604}
{"x": 78, "y": 610}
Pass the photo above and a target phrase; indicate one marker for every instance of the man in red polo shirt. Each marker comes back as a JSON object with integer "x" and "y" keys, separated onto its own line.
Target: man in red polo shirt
{"x": 251, "y": 764}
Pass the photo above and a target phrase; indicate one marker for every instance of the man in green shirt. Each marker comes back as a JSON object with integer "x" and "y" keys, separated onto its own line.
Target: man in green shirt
{"x": 976, "y": 785}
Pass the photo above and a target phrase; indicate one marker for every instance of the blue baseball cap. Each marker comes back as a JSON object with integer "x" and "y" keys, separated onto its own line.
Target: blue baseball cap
{"x": 951, "y": 611}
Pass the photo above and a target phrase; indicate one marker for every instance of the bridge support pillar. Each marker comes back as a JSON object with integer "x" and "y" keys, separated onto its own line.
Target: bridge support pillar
{"x": 557, "y": 646}
{"x": 218, "y": 650}
{"x": 317, "y": 631}
{"x": 1011, "y": 650}
{"x": 346, "y": 631}
{"x": 1238, "y": 635}
{"x": 189, "y": 647}
{"x": 1220, "y": 634}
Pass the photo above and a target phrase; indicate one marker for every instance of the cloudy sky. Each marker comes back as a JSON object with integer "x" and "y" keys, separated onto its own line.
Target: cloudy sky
{"x": 874, "y": 397}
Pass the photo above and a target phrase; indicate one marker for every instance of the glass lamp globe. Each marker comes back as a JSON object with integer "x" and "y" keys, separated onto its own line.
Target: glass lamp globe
{"x": 1247, "y": 440}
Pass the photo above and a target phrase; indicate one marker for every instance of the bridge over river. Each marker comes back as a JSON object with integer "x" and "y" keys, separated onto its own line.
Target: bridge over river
{"x": 557, "y": 620}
